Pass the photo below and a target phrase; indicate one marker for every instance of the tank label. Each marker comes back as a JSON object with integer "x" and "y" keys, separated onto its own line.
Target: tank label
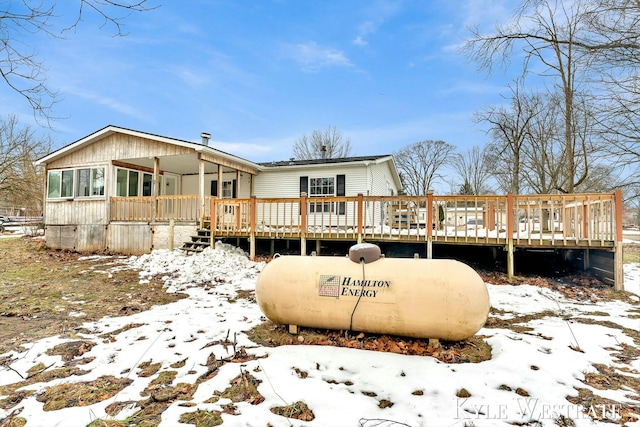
{"x": 337, "y": 286}
{"x": 329, "y": 286}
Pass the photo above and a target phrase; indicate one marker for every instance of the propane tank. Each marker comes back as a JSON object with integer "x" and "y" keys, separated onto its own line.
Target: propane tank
{"x": 366, "y": 292}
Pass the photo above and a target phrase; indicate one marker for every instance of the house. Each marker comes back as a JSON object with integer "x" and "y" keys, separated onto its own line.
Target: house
{"x": 128, "y": 191}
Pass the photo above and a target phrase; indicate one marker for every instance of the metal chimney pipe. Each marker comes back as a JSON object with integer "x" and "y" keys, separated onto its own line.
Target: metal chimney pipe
{"x": 205, "y": 138}
{"x": 323, "y": 151}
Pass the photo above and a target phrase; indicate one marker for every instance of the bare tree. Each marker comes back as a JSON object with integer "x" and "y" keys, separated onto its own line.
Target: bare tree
{"x": 614, "y": 46}
{"x": 419, "y": 164}
{"x": 473, "y": 169}
{"x": 20, "y": 68}
{"x": 546, "y": 33}
{"x": 508, "y": 128}
{"x": 21, "y": 183}
{"x": 545, "y": 155}
{"x": 606, "y": 38}
{"x": 328, "y": 143}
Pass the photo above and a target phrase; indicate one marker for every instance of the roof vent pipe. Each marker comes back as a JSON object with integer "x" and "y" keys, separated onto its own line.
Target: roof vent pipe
{"x": 205, "y": 138}
{"x": 323, "y": 151}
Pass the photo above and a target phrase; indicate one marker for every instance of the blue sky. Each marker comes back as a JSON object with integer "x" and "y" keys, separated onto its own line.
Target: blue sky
{"x": 259, "y": 74}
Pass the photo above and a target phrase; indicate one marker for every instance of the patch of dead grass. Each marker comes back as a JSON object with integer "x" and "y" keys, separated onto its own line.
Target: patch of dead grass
{"x": 70, "y": 350}
{"x": 38, "y": 374}
{"x": 631, "y": 253}
{"x": 602, "y": 409}
{"x": 243, "y": 388}
{"x": 148, "y": 368}
{"x": 40, "y": 287}
{"x": 516, "y": 323}
{"x": 472, "y": 350}
{"x": 14, "y": 421}
{"x": 81, "y": 394}
{"x": 298, "y": 410}
{"x": 202, "y": 418}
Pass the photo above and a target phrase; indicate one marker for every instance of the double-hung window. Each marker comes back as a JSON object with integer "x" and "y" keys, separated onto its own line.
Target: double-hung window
{"x": 324, "y": 187}
{"x": 321, "y": 187}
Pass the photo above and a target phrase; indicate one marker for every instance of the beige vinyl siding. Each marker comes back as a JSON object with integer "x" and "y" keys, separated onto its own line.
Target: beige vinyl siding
{"x": 286, "y": 182}
{"x": 278, "y": 183}
{"x": 381, "y": 180}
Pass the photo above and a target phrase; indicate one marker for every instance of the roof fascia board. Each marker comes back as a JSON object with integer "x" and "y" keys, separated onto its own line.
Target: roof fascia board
{"x": 322, "y": 165}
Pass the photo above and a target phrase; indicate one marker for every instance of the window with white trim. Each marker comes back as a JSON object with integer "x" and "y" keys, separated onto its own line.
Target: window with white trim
{"x": 324, "y": 187}
{"x": 227, "y": 189}
{"x": 132, "y": 183}
{"x": 90, "y": 182}
{"x": 321, "y": 187}
{"x": 70, "y": 183}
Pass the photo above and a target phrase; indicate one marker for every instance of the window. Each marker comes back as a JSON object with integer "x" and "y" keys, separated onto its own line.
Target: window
{"x": 324, "y": 187}
{"x": 67, "y": 184}
{"x": 54, "y": 189}
{"x": 130, "y": 183}
{"x": 147, "y": 180}
{"x": 60, "y": 183}
{"x": 319, "y": 187}
{"x": 133, "y": 184}
{"x": 229, "y": 189}
{"x": 90, "y": 182}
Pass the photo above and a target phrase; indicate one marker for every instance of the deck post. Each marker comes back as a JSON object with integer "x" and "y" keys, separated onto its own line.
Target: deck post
{"x": 618, "y": 270}
{"x": 201, "y": 189}
{"x": 303, "y": 224}
{"x": 171, "y": 232}
{"x": 252, "y": 246}
{"x": 360, "y": 216}
{"x": 585, "y": 221}
{"x": 429, "y": 225}
{"x": 252, "y": 228}
{"x": 318, "y": 247}
{"x": 156, "y": 187}
{"x": 213, "y": 223}
{"x": 586, "y": 263}
{"x": 510, "y": 222}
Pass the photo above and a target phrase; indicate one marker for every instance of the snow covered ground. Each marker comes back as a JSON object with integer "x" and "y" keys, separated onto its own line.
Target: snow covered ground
{"x": 527, "y": 380}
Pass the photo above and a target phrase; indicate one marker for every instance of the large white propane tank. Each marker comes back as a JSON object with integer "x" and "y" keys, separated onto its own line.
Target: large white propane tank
{"x": 420, "y": 298}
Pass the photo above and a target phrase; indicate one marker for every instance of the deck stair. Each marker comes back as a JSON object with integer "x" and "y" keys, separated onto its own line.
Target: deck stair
{"x": 198, "y": 242}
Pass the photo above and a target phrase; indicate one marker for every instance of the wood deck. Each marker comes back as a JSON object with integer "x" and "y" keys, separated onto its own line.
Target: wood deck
{"x": 548, "y": 221}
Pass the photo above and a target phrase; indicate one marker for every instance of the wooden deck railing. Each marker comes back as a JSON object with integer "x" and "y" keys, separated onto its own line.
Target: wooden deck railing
{"x": 535, "y": 220}
{"x": 582, "y": 221}
{"x": 160, "y": 208}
